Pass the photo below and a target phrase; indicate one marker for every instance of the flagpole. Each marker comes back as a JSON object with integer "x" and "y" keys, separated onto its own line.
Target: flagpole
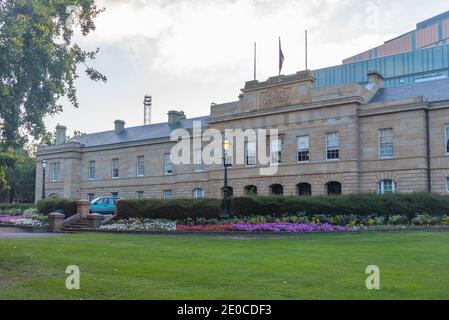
{"x": 255, "y": 61}
{"x": 307, "y": 52}
{"x": 280, "y": 49}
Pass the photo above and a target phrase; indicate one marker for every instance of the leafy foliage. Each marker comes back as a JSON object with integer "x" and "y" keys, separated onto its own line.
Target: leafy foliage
{"x": 344, "y": 210}
{"x": 39, "y": 63}
{"x": 47, "y": 206}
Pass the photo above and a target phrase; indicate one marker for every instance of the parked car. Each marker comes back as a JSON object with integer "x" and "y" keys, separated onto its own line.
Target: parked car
{"x": 103, "y": 205}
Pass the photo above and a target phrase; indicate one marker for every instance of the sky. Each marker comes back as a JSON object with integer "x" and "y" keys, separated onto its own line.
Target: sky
{"x": 190, "y": 53}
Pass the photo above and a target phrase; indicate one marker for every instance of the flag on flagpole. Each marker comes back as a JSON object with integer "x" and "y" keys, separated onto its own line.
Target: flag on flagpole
{"x": 281, "y": 57}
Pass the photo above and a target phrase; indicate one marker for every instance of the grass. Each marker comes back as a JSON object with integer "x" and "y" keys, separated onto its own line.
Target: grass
{"x": 414, "y": 265}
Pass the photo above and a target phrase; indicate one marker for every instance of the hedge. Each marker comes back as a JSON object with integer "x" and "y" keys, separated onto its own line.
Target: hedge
{"x": 15, "y": 208}
{"x": 66, "y": 206}
{"x": 168, "y": 209}
{"x": 359, "y": 204}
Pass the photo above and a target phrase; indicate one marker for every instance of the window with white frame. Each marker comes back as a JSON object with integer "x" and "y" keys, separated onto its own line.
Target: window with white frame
{"x": 140, "y": 194}
{"x": 168, "y": 194}
{"x": 276, "y": 150}
{"x": 198, "y": 160}
{"x": 332, "y": 146}
{"x": 91, "y": 197}
{"x": 198, "y": 193}
{"x": 303, "y": 149}
{"x": 386, "y": 186}
{"x": 250, "y": 153}
{"x": 140, "y": 166}
{"x": 446, "y": 129}
{"x": 168, "y": 166}
{"x": 55, "y": 172}
{"x": 91, "y": 170}
{"x": 447, "y": 184}
{"x": 115, "y": 168}
{"x": 386, "y": 143}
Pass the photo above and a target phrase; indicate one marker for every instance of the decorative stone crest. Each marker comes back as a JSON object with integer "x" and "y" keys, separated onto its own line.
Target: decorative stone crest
{"x": 275, "y": 97}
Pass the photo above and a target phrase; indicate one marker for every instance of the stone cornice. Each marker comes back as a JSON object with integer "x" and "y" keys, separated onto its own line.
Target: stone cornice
{"x": 297, "y": 107}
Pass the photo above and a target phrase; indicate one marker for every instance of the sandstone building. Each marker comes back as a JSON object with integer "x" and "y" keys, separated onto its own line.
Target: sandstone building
{"x": 346, "y": 138}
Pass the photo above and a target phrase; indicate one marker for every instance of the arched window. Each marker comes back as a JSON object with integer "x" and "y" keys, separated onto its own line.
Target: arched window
{"x": 53, "y": 196}
{"x": 386, "y": 186}
{"x": 230, "y": 191}
{"x": 333, "y": 188}
{"x": 304, "y": 189}
{"x": 198, "y": 193}
{"x": 276, "y": 189}
{"x": 251, "y": 190}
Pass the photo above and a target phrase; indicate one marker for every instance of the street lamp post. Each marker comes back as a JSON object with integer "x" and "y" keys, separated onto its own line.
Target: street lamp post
{"x": 44, "y": 166}
{"x": 225, "y": 213}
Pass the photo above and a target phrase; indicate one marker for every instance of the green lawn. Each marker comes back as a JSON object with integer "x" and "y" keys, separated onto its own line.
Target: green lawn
{"x": 414, "y": 265}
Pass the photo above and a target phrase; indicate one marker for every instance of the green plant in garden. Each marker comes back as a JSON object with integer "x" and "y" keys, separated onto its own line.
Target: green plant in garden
{"x": 66, "y": 206}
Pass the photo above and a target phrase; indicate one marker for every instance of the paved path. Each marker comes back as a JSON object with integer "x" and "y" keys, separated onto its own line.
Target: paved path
{"x": 11, "y": 232}
{"x": 27, "y": 235}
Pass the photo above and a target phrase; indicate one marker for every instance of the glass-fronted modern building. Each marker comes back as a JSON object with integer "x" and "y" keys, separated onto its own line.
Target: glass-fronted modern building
{"x": 420, "y": 55}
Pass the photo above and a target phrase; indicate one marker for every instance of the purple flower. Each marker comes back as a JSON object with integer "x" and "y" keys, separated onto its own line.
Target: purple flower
{"x": 288, "y": 227}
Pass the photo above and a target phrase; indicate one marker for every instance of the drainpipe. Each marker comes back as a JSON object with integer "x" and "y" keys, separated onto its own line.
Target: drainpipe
{"x": 429, "y": 171}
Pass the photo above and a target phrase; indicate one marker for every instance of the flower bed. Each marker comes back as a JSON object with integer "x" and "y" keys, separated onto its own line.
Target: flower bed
{"x": 206, "y": 228}
{"x": 141, "y": 225}
{"x": 288, "y": 227}
{"x": 28, "y": 218}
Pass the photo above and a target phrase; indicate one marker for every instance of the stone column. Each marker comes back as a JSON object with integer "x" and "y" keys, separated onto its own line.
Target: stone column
{"x": 82, "y": 208}
{"x": 55, "y": 222}
{"x": 95, "y": 220}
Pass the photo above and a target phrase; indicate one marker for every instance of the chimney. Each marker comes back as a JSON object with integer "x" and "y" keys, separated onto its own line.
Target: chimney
{"x": 119, "y": 126}
{"x": 376, "y": 78}
{"x": 175, "y": 116}
{"x": 61, "y": 132}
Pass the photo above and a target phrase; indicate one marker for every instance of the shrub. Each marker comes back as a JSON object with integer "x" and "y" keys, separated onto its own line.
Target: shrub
{"x": 168, "y": 209}
{"x": 15, "y": 208}
{"x": 351, "y": 209}
{"x": 66, "y": 206}
{"x": 355, "y": 204}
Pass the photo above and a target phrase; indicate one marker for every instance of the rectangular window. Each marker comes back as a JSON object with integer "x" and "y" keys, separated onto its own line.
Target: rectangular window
{"x": 332, "y": 146}
{"x": 140, "y": 166}
{"x": 303, "y": 149}
{"x": 250, "y": 154}
{"x": 55, "y": 172}
{"x": 168, "y": 166}
{"x": 276, "y": 151}
{"x": 198, "y": 160}
{"x": 168, "y": 194}
{"x": 140, "y": 194}
{"x": 91, "y": 170}
{"x": 447, "y": 184}
{"x": 198, "y": 193}
{"x": 114, "y": 194}
{"x": 386, "y": 143}
{"x": 91, "y": 197}
{"x": 446, "y": 127}
{"x": 115, "y": 168}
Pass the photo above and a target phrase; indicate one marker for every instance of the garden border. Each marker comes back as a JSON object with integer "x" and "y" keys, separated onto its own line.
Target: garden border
{"x": 268, "y": 234}
{"x": 31, "y": 229}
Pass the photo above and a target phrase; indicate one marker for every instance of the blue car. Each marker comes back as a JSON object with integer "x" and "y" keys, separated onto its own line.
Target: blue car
{"x": 103, "y": 205}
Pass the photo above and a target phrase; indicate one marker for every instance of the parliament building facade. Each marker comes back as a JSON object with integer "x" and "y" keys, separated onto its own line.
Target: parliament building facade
{"x": 347, "y": 138}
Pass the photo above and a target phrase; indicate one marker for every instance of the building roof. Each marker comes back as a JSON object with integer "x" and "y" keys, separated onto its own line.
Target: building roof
{"x": 135, "y": 134}
{"x": 431, "y": 91}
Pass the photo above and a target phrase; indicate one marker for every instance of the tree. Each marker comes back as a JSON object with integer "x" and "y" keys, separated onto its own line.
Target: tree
{"x": 21, "y": 177}
{"x": 39, "y": 63}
